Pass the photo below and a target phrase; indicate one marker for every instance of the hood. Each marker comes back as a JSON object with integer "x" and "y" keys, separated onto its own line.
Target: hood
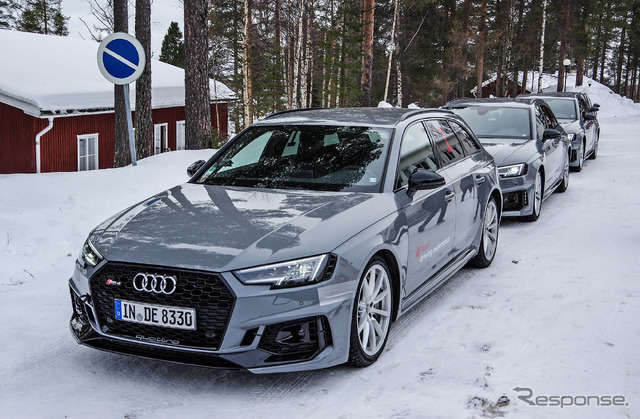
{"x": 571, "y": 126}
{"x": 221, "y": 228}
{"x": 514, "y": 152}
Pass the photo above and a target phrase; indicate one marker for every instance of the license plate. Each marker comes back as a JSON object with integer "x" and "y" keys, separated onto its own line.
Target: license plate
{"x": 175, "y": 317}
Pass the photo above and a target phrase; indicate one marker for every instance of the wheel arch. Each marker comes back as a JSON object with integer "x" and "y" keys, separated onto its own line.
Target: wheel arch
{"x": 495, "y": 194}
{"x": 394, "y": 271}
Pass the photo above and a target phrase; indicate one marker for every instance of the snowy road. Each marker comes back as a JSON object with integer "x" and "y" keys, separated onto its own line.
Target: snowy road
{"x": 557, "y": 313}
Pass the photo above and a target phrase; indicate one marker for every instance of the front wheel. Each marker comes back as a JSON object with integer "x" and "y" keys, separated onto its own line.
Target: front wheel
{"x": 594, "y": 153}
{"x": 580, "y": 165}
{"x": 565, "y": 177}
{"x": 537, "y": 199}
{"x": 371, "y": 319}
{"x": 489, "y": 241}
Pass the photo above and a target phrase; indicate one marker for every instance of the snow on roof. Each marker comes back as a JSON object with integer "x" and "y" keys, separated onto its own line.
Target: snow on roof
{"x": 44, "y": 75}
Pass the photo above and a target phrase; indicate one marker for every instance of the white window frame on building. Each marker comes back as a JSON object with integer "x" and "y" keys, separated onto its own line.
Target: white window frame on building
{"x": 88, "y": 160}
{"x": 160, "y": 138}
{"x": 180, "y": 135}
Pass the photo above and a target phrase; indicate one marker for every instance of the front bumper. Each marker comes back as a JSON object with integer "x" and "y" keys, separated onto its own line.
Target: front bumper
{"x": 517, "y": 195}
{"x": 266, "y": 330}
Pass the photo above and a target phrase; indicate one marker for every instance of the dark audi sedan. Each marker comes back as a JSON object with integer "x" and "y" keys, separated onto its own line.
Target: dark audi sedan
{"x": 579, "y": 119}
{"x": 295, "y": 246}
{"x": 530, "y": 147}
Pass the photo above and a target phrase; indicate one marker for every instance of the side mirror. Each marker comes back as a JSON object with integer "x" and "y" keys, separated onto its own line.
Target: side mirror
{"x": 194, "y": 167}
{"x": 590, "y": 116}
{"x": 422, "y": 179}
{"x": 550, "y": 134}
{"x": 594, "y": 108}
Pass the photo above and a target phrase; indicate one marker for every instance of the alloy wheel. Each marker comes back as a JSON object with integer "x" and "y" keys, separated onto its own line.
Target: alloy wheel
{"x": 374, "y": 309}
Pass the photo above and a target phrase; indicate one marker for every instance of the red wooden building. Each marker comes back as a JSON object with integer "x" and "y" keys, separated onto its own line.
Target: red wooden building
{"x": 52, "y": 94}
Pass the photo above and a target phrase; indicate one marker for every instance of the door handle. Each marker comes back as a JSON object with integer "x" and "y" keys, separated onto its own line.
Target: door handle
{"x": 480, "y": 180}
{"x": 449, "y": 196}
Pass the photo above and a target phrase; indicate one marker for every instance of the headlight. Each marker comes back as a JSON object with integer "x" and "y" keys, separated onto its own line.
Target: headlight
{"x": 286, "y": 274}
{"x": 513, "y": 170}
{"x": 90, "y": 254}
{"x": 571, "y": 136}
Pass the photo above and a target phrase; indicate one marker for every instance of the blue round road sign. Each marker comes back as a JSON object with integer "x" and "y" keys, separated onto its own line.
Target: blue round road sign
{"x": 121, "y": 58}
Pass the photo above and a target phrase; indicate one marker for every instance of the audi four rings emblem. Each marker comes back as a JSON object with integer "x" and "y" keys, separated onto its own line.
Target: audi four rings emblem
{"x": 160, "y": 284}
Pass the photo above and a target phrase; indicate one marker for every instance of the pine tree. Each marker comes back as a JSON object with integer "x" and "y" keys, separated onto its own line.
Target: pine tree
{"x": 144, "y": 116}
{"x": 43, "y": 16}
{"x": 7, "y": 10}
{"x": 197, "y": 97}
{"x": 172, "y": 51}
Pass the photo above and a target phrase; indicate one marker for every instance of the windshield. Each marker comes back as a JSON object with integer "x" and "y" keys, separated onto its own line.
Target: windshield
{"x": 327, "y": 158}
{"x": 563, "y": 108}
{"x": 497, "y": 122}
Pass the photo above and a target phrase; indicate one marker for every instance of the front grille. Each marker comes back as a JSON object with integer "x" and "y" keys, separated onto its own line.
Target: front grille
{"x": 203, "y": 291}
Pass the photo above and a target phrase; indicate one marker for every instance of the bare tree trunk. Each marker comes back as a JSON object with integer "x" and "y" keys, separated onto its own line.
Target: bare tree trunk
{"x": 621, "y": 51}
{"x": 305, "y": 58}
{"x": 247, "y": 84}
{"x": 544, "y": 26}
{"x": 278, "y": 48}
{"x": 144, "y": 113}
{"x": 310, "y": 56}
{"x": 122, "y": 152}
{"x": 563, "y": 45}
{"x": 297, "y": 56}
{"x": 392, "y": 48}
{"x": 368, "y": 7}
{"x": 580, "y": 73}
{"x": 197, "y": 97}
{"x": 605, "y": 40}
{"x": 399, "y": 82}
{"x": 480, "y": 52}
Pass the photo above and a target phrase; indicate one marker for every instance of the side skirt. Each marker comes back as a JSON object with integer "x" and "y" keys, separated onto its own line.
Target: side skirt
{"x": 438, "y": 279}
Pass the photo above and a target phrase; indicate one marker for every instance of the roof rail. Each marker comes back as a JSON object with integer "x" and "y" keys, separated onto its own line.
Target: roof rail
{"x": 293, "y": 110}
{"x": 419, "y": 111}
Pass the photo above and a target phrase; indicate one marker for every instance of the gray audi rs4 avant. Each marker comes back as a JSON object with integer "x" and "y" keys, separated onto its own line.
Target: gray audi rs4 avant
{"x": 295, "y": 246}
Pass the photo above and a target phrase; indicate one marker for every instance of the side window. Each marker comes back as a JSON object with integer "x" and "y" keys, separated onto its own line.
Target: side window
{"x": 468, "y": 143}
{"x": 416, "y": 151}
{"x": 541, "y": 121}
{"x": 584, "y": 108}
{"x": 552, "y": 122}
{"x": 249, "y": 154}
{"x": 447, "y": 144}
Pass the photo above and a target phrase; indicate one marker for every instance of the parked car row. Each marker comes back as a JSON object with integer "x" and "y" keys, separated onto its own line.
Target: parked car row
{"x": 300, "y": 241}
{"x": 534, "y": 139}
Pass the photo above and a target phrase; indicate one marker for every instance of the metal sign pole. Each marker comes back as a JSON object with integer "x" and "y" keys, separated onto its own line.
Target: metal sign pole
{"x": 121, "y": 60}
{"x": 132, "y": 143}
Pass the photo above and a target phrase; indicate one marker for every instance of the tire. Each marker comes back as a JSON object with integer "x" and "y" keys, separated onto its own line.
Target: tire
{"x": 371, "y": 318}
{"x": 594, "y": 153}
{"x": 489, "y": 241}
{"x": 580, "y": 165}
{"x": 537, "y": 199}
{"x": 564, "y": 185}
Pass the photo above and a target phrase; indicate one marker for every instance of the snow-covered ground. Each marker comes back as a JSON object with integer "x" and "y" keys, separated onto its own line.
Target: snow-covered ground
{"x": 557, "y": 312}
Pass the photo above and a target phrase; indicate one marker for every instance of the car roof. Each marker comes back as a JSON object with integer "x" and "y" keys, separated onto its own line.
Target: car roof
{"x": 551, "y": 94}
{"x": 503, "y": 102}
{"x": 352, "y": 116}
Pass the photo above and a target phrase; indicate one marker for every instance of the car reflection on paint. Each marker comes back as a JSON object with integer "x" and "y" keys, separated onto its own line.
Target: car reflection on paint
{"x": 295, "y": 246}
